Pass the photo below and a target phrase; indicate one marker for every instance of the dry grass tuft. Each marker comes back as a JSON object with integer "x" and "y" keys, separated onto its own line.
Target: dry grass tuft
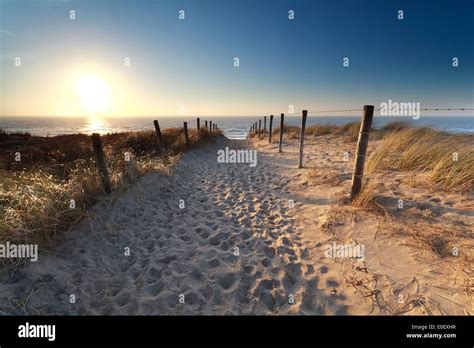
{"x": 322, "y": 129}
{"x": 366, "y": 198}
{"x": 438, "y": 239}
{"x": 352, "y": 131}
{"x": 332, "y": 177}
{"x": 430, "y": 151}
{"x": 349, "y": 130}
{"x": 395, "y": 126}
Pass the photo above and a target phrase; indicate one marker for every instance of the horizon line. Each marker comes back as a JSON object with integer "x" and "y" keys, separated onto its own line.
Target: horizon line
{"x": 202, "y": 115}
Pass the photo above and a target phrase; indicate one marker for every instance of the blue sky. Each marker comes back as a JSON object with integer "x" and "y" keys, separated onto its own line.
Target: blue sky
{"x": 190, "y": 62}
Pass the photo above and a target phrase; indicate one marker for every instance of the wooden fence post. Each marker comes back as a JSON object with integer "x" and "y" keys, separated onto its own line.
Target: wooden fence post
{"x": 198, "y": 121}
{"x": 281, "y": 132}
{"x": 264, "y": 125}
{"x": 270, "y": 130}
{"x": 303, "y": 126}
{"x": 362, "y": 144}
{"x": 186, "y": 139}
{"x": 259, "y": 127}
{"x": 158, "y": 134}
{"x": 101, "y": 163}
{"x": 205, "y": 122}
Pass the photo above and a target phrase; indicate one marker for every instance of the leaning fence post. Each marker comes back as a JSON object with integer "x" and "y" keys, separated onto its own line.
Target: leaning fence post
{"x": 281, "y": 132}
{"x": 264, "y": 125}
{"x": 198, "y": 121}
{"x": 101, "y": 163}
{"x": 158, "y": 134}
{"x": 362, "y": 144}
{"x": 259, "y": 127}
{"x": 303, "y": 126}
{"x": 186, "y": 139}
{"x": 270, "y": 129}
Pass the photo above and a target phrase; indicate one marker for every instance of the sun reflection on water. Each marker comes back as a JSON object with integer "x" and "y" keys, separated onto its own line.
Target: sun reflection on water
{"x": 96, "y": 125}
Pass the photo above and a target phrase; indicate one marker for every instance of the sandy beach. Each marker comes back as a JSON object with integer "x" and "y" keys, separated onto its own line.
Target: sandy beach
{"x": 221, "y": 238}
{"x": 405, "y": 270}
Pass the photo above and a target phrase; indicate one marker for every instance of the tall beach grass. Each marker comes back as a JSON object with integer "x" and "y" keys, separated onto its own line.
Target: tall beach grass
{"x": 447, "y": 159}
{"x": 50, "y": 189}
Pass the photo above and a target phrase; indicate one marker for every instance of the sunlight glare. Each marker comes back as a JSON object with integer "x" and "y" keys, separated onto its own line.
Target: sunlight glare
{"x": 94, "y": 95}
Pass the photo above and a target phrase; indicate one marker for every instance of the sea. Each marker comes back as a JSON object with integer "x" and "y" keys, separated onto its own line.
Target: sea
{"x": 233, "y": 127}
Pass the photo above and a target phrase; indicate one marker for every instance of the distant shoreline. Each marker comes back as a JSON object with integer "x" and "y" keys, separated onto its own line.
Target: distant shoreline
{"x": 233, "y": 127}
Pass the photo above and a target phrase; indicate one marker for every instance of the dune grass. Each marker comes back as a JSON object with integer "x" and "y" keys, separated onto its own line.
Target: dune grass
{"x": 56, "y": 181}
{"x": 448, "y": 159}
{"x": 350, "y": 131}
{"x": 330, "y": 177}
{"x": 366, "y": 199}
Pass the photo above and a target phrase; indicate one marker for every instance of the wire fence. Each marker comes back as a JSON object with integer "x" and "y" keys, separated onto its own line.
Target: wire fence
{"x": 367, "y": 115}
{"x": 190, "y": 121}
{"x": 149, "y": 125}
{"x": 378, "y": 109}
{"x": 355, "y": 109}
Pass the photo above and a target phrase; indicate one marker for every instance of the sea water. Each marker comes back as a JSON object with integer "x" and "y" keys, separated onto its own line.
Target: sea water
{"x": 234, "y": 127}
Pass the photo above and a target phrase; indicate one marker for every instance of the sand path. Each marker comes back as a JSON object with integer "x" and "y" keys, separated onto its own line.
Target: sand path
{"x": 235, "y": 248}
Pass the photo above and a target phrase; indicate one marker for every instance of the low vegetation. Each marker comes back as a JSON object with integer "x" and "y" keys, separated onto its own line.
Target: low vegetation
{"x": 56, "y": 180}
{"x": 448, "y": 159}
{"x": 349, "y": 130}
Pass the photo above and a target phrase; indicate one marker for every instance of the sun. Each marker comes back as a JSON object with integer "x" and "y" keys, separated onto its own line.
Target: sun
{"x": 94, "y": 94}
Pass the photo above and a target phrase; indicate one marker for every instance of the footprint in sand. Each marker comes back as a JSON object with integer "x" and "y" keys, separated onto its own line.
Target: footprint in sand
{"x": 227, "y": 281}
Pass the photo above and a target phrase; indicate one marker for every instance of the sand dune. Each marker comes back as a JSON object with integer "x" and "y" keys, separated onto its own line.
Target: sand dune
{"x": 280, "y": 266}
{"x": 409, "y": 266}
